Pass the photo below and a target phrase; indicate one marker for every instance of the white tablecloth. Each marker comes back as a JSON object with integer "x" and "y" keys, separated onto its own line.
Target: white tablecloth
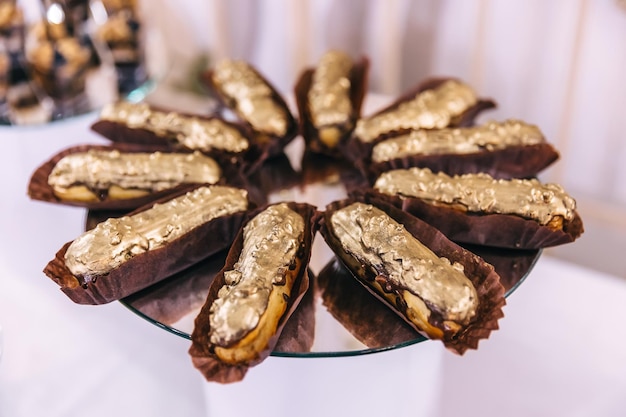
{"x": 560, "y": 349}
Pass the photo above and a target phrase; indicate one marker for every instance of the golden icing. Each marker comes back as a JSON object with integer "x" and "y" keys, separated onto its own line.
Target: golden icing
{"x": 487, "y": 137}
{"x": 252, "y": 97}
{"x": 480, "y": 193}
{"x": 329, "y": 95}
{"x": 115, "y": 241}
{"x": 190, "y": 131}
{"x": 431, "y": 109}
{"x": 270, "y": 244}
{"x": 156, "y": 171}
{"x": 384, "y": 246}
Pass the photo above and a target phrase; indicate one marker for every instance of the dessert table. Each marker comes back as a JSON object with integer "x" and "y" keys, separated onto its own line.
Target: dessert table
{"x": 560, "y": 349}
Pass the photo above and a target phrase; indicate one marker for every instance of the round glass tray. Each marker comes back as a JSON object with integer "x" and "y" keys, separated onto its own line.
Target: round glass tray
{"x": 338, "y": 314}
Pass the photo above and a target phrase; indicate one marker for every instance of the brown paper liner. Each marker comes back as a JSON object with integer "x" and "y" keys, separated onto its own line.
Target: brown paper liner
{"x": 298, "y": 335}
{"x": 512, "y": 265}
{"x": 358, "y": 88}
{"x": 39, "y": 189}
{"x": 179, "y": 295}
{"x": 319, "y": 168}
{"x": 264, "y": 145}
{"x": 512, "y": 162}
{"x": 371, "y": 322}
{"x": 94, "y": 217}
{"x": 377, "y": 326}
{"x": 184, "y": 293}
{"x": 201, "y": 350}
{"x": 482, "y": 275}
{"x": 497, "y": 230}
{"x": 274, "y": 175}
{"x": 358, "y": 151}
{"x": 150, "y": 267}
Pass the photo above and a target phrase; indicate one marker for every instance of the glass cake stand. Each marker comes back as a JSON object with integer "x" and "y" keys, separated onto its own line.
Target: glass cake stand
{"x": 337, "y": 327}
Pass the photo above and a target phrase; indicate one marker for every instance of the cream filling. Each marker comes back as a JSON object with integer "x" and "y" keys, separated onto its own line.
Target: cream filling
{"x": 386, "y": 247}
{"x": 101, "y": 169}
{"x": 252, "y": 96}
{"x": 190, "y": 131}
{"x": 115, "y": 241}
{"x": 270, "y": 244}
{"x": 481, "y": 193}
{"x": 430, "y": 109}
{"x": 490, "y": 136}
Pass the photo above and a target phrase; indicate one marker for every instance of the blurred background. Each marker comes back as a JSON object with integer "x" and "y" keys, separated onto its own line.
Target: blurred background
{"x": 556, "y": 64}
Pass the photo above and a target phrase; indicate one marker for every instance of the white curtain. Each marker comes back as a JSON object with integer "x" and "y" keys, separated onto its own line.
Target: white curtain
{"x": 559, "y": 64}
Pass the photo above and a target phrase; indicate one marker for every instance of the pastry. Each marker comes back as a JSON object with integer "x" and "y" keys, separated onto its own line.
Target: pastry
{"x": 243, "y": 91}
{"x": 262, "y": 282}
{"x": 122, "y": 177}
{"x": 478, "y": 209}
{"x": 507, "y": 149}
{"x": 329, "y": 99}
{"x": 140, "y": 123}
{"x": 121, "y": 256}
{"x": 442, "y": 290}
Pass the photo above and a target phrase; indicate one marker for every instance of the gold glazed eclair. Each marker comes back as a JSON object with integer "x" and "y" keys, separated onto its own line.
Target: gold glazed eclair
{"x": 121, "y": 176}
{"x": 243, "y": 90}
{"x": 442, "y": 290}
{"x": 250, "y": 300}
{"x": 478, "y": 209}
{"x": 121, "y": 256}
{"x": 434, "y": 104}
{"x": 508, "y": 149}
{"x": 329, "y": 99}
{"x": 140, "y": 123}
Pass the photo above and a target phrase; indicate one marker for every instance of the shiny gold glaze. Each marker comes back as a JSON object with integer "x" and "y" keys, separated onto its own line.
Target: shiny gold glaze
{"x": 488, "y": 137}
{"x": 385, "y": 247}
{"x": 251, "y": 96}
{"x": 190, "y": 131}
{"x": 480, "y": 193}
{"x": 115, "y": 241}
{"x": 101, "y": 169}
{"x": 430, "y": 109}
{"x": 329, "y": 95}
{"x": 270, "y": 243}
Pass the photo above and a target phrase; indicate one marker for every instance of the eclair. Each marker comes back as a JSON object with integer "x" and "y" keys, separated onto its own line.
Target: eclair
{"x": 121, "y": 256}
{"x": 441, "y": 290}
{"x": 140, "y": 123}
{"x": 121, "y": 177}
{"x": 506, "y": 149}
{"x": 255, "y": 101}
{"x": 261, "y": 284}
{"x": 329, "y": 98}
{"x": 478, "y": 209}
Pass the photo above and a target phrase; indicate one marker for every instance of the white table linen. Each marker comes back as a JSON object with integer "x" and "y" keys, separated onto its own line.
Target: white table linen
{"x": 560, "y": 349}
